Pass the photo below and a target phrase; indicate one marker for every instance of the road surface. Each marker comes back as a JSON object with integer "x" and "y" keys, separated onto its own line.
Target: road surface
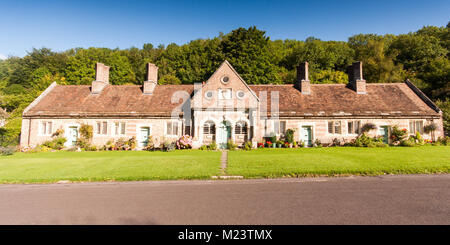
{"x": 393, "y": 199}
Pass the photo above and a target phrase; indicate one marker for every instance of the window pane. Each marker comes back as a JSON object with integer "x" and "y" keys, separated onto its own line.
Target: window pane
{"x": 330, "y": 127}
{"x": 105, "y": 128}
{"x": 206, "y": 128}
{"x": 337, "y": 127}
{"x": 122, "y": 129}
{"x": 169, "y": 128}
{"x": 411, "y": 127}
{"x": 350, "y": 128}
{"x": 175, "y": 128}
{"x": 283, "y": 127}
{"x": 116, "y": 128}
{"x": 276, "y": 127}
{"x": 99, "y": 128}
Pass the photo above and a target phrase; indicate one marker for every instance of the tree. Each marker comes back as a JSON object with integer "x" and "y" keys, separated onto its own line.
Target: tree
{"x": 379, "y": 66}
{"x": 248, "y": 52}
{"x": 80, "y": 67}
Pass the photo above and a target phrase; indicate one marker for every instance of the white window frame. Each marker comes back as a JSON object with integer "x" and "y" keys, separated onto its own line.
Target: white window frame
{"x": 414, "y": 131}
{"x": 220, "y": 95}
{"x": 97, "y": 129}
{"x": 242, "y": 125}
{"x": 120, "y": 128}
{"x": 43, "y": 128}
{"x": 166, "y": 127}
{"x": 358, "y": 131}
{"x": 334, "y": 127}
{"x": 277, "y": 129}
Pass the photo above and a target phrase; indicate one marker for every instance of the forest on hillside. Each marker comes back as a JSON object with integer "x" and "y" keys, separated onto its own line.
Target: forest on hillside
{"x": 422, "y": 56}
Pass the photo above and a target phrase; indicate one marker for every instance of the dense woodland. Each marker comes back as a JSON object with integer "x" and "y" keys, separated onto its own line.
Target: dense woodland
{"x": 423, "y": 57}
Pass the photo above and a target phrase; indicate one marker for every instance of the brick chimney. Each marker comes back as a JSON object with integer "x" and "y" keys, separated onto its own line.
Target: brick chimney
{"x": 355, "y": 77}
{"x": 303, "y": 82}
{"x": 152, "y": 79}
{"x": 101, "y": 78}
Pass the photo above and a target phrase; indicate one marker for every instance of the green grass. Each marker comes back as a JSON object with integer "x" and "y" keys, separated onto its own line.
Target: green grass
{"x": 335, "y": 161}
{"x": 103, "y": 166}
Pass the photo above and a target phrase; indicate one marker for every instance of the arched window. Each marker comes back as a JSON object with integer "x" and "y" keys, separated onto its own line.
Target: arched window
{"x": 241, "y": 128}
{"x": 209, "y": 127}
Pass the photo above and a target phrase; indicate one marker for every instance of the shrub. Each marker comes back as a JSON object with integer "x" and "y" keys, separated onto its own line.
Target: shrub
{"x": 317, "y": 143}
{"x": 336, "y": 142}
{"x": 56, "y": 143}
{"x": 6, "y": 151}
{"x": 366, "y": 141}
{"x": 212, "y": 146}
{"x": 409, "y": 142}
{"x": 184, "y": 142}
{"x": 248, "y": 146}
{"x": 203, "y": 147}
{"x": 58, "y": 132}
{"x": 169, "y": 146}
{"x": 86, "y": 132}
{"x": 398, "y": 135}
{"x": 444, "y": 140}
{"x": 231, "y": 145}
{"x": 417, "y": 139}
{"x": 290, "y": 136}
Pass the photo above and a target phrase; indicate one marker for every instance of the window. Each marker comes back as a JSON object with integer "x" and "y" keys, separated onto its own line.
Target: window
{"x": 209, "y": 94}
{"x": 240, "y": 128}
{"x": 354, "y": 127}
{"x": 416, "y": 126}
{"x": 172, "y": 128}
{"x": 225, "y": 94}
{"x": 334, "y": 127}
{"x": 46, "y": 128}
{"x": 279, "y": 127}
{"x": 240, "y": 94}
{"x": 209, "y": 127}
{"x": 119, "y": 128}
{"x": 225, "y": 79}
{"x": 102, "y": 128}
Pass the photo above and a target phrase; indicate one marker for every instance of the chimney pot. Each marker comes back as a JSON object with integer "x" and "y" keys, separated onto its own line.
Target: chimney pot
{"x": 303, "y": 82}
{"x": 101, "y": 78}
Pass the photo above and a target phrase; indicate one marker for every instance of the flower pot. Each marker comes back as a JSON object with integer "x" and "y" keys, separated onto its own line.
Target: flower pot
{"x": 274, "y": 145}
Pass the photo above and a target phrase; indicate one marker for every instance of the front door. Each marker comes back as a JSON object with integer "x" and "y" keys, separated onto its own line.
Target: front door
{"x": 223, "y": 135}
{"x": 306, "y": 135}
{"x": 383, "y": 131}
{"x": 73, "y": 135}
{"x": 143, "y": 136}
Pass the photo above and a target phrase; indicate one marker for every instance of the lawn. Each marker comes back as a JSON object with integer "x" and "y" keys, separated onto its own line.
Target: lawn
{"x": 106, "y": 165}
{"x": 333, "y": 161}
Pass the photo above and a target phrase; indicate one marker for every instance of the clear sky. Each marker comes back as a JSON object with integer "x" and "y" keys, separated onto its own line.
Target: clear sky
{"x": 61, "y": 25}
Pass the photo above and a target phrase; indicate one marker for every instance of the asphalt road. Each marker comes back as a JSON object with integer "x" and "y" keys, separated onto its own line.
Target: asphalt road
{"x": 405, "y": 199}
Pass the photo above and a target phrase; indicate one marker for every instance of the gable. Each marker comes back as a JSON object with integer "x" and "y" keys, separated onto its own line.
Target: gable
{"x": 225, "y": 89}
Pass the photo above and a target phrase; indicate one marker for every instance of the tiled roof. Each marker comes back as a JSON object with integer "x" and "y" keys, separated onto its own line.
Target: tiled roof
{"x": 114, "y": 100}
{"x": 393, "y": 99}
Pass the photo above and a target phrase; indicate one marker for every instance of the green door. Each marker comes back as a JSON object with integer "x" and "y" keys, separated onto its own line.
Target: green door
{"x": 143, "y": 139}
{"x": 383, "y": 131}
{"x": 73, "y": 135}
{"x": 306, "y": 135}
{"x": 223, "y": 134}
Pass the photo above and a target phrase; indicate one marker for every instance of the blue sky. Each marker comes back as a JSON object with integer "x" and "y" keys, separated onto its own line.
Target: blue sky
{"x": 61, "y": 25}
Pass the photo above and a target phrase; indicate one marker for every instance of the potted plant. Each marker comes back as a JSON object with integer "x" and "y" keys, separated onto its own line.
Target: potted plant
{"x": 269, "y": 144}
{"x": 273, "y": 139}
{"x": 280, "y": 143}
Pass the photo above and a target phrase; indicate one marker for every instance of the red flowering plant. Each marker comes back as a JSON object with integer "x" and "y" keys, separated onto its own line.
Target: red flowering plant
{"x": 261, "y": 145}
{"x": 398, "y": 135}
{"x": 286, "y": 144}
{"x": 269, "y": 143}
